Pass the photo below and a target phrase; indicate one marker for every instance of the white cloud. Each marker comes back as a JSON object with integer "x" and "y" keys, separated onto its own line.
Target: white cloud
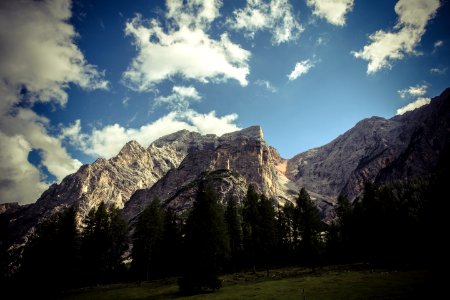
{"x": 180, "y": 97}
{"x": 125, "y": 101}
{"x": 183, "y": 48}
{"x": 386, "y": 47}
{"x": 333, "y": 11}
{"x": 413, "y": 91}
{"x": 413, "y": 105}
{"x": 276, "y": 16}
{"x": 20, "y": 181}
{"x": 300, "y": 69}
{"x": 266, "y": 84}
{"x": 438, "y": 71}
{"x": 438, "y": 44}
{"x": 107, "y": 141}
{"x": 38, "y": 61}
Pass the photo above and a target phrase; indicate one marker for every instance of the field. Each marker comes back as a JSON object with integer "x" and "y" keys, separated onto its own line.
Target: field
{"x": 287, "y": 283}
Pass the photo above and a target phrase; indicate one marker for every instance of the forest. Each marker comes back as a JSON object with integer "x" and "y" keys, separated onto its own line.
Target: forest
{"x": 399, "y": 225}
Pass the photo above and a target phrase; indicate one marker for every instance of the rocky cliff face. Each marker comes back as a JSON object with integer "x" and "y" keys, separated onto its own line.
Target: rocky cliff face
{"x": 376, "y": 150}
{"x": 113, "y": 181}
{"x": 243, "y": 153}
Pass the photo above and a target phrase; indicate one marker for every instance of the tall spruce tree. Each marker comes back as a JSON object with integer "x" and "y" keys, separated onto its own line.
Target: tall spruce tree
{"x": 285, "y": 233}
{"x": 234, "y": 226}
{"x": 266, "y": 231}
{"x": 147, "y": 241}
{"x": 250, "y": 227}
{"x": 171, "y": 243}
{"x": 104, "y": 241}
{"x": 309, "y": 226}
{"x": 206, "y": 243}
{"x": 51, "y": 259}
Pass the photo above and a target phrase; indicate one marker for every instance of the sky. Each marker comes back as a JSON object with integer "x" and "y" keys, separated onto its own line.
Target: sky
{"x": 79, "y": 79}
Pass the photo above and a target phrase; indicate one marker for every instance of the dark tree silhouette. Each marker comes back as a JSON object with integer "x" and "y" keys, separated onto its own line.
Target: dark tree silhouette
{"x": 171, "y": 244}
{"x": 104, "y": 241}
{"x": 250, "y": 226}
{"x": 51, "y": 260}
{"x": 147, "y": 241}
{"x": 206, "y": 243}
{"x": 267, "y": 230}
{"x": 234, "y": 226}
{"x": 309, "y": 225}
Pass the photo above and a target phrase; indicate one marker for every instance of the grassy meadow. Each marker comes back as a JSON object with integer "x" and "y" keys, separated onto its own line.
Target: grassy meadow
{"x": 286, "y": 283}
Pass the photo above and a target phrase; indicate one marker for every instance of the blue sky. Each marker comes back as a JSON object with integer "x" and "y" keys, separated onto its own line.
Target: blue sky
{"x": 81, "y": 78}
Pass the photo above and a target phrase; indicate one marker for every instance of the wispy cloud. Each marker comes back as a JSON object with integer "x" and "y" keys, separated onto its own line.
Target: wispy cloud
{"x": 387, "y": 46}
{"x": 413, "y": 91}
{"x": 183, "y": 48}
{"x": 438, "y": 71}
{"x": 180, "y": 98}
{"x": 438, "y": 44}
{"x": 413, "y": 105}
{"x": 267, "y": 85}
{"x": 333, "y": 11}
{"x": 300, "y": 69}
{"x": 276, "y": 16}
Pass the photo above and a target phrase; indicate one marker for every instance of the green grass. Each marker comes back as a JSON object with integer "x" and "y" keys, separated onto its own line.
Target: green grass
{"x": 287, "y": 283}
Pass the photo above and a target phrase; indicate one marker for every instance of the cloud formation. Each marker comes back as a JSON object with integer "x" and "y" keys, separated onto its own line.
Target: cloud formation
{"x": 413, "y": 105}
{"x": 333, "y": 11}
{"x": 413, "y": 91}
{"x": 300, "y": 69}
{"x": 276, "y": 16}
{"x": 38, "y": 61}
{"x": 387, "y": 46}
{"x": 267, "y": 85}
{"x": 438, "y": 44}
{"x": 180, "y": 98}
{"x": 183, "y": 48}
{"x": 107, "y": 141}
{"x": 438, "y": 71}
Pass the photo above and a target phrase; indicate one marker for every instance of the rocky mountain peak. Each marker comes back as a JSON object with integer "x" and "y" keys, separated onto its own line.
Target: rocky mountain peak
{"x": 252, "y": 132}
{"x": 131, "y": 150}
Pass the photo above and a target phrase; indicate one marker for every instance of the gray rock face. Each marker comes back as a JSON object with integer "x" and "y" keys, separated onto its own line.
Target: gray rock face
{"x": 243, "y": 152}
{"x": 113, "y": 181}
{"x": 376, "y": 150}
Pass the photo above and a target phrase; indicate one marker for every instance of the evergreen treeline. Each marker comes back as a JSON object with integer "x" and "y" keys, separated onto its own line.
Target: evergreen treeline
{"x": 58, "y": 256}
{"x": 389, "y": 225}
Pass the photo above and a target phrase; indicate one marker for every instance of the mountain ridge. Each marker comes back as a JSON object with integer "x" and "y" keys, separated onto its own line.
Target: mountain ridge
{"x": 375, "y": 149}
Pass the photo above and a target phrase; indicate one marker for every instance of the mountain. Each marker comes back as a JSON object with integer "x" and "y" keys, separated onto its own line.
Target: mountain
{"x": 174, "y": 166}
{"x": 377, "y": 150}
{"x": 241, "y": 158}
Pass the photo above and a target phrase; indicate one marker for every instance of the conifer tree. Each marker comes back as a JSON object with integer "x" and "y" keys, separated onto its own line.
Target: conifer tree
{"x": 104, "y": 241}
{"x": 309, "y": 226}
{"x": 51, "y": 259}
{"x": 234, "y": 227}
{"x": 266, "y": 231}
{"x": 250, "y": 226}
{"x": 147, "y": 241}
{"x": 206, "y": 243}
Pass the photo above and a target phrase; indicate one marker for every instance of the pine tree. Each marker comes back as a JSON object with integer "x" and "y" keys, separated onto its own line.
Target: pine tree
{"x": 171, "y": 243}
{"x": 266, "y": 231}
{"x": 309, "y": 226}
{"x": 147, "y": 241}
{"x": 51, "y": 258}
{"x": 250, "y": 226}
{"x": 285, "y": 233}
{"x": 234, "y": 227}
{"x": 104, "y": 241}
{"x": 206, "y": 243}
